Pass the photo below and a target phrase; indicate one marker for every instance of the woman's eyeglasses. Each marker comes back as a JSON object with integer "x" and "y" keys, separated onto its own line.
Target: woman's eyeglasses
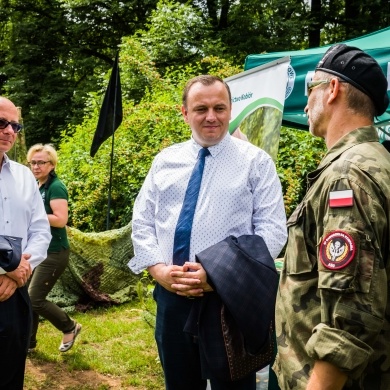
{"x": 39, "y": 163}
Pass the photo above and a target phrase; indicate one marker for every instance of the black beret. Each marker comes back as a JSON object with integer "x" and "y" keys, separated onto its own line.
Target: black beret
{"x": 359, "y": 69}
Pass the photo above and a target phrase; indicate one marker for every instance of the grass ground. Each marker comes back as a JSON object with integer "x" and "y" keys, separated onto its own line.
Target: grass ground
{"x": 115, "y": 350}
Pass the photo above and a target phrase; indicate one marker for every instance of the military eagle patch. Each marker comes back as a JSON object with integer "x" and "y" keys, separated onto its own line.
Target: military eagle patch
{"x": 337, "y": 250}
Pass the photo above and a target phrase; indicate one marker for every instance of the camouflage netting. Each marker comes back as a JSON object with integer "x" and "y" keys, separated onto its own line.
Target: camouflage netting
{"x": 97, "y": 273}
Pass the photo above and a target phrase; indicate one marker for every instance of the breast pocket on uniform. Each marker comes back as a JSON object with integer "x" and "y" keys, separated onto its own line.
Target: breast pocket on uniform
{"x": 298, "y": 260}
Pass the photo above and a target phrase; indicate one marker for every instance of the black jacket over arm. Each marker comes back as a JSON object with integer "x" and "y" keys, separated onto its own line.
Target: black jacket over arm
{"x": 234, "y": 323}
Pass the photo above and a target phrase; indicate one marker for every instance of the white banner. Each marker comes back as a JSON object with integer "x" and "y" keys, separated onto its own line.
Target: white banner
{"x": 257, "y": 103}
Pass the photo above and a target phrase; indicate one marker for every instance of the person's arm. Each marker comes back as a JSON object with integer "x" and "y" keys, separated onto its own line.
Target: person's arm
{"x": 57, "y": 196}
{"x": 59, "y": 216}
{"x": 38, "y": 228}
{"x": 352, "y": 308}
{"x": 269, "y": 217}
{"x": 326, "y": 376}
{"x": 147, "y": 251}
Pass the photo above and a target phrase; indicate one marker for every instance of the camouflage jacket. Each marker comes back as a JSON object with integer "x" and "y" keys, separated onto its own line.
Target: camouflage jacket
{"x": 333, "y": 299}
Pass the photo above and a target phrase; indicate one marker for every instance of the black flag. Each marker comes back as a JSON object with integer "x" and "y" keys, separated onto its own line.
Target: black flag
{"x": 110, "y": 116}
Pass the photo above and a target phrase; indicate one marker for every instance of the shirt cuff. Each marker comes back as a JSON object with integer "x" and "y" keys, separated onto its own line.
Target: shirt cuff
{"x": 2, "y": 271}
{"x": 144, "y": 260}
{"x": 339, "y": 348}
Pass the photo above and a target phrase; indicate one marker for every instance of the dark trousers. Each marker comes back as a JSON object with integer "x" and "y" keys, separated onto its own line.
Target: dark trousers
{"x": 41, "y": 283}
{"x": 179, "y": 351}
{"x": 15, "y": 327}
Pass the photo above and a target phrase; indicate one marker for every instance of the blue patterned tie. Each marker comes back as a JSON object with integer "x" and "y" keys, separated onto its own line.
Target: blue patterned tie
{"x": 181, "y": 242}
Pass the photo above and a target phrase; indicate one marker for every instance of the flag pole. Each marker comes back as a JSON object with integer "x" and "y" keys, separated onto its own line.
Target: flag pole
{"x": 112, "y": 152}
{"x": 110, "y": 118}
{"x": 110, "y": 182}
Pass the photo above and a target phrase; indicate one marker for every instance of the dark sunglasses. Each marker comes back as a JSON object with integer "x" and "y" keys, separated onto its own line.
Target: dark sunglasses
{"x": 16, "y": 127}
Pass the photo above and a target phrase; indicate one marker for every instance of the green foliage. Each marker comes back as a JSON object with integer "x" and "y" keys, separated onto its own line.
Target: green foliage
{"x": 173, "y": 34}
{"x": 144, "y": 289}
{"x": 138, "y": 73}
{"x": 263, "y": 26}
{"x": 299, "y": 154}
{"x": 52, "y": 54}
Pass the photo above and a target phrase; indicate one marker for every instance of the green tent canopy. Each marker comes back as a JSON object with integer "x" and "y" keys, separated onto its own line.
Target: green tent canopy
{"x": 301, "y": 69}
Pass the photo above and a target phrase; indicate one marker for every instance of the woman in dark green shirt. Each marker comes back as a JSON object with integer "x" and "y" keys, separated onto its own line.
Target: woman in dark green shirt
{"x": 43, "y": 160}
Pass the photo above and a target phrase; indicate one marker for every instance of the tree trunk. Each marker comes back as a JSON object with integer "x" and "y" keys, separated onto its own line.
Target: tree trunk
{"x": 315, "y": 25}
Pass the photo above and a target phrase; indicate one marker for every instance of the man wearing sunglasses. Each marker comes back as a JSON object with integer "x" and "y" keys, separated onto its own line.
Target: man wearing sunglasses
{"x": 333, "y": 306}
{"x": 22, "y": 214}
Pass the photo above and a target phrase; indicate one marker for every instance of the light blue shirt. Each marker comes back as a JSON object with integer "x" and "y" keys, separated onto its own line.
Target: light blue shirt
{"x": 22, "y": 213}
{"x": 240, "y": 194}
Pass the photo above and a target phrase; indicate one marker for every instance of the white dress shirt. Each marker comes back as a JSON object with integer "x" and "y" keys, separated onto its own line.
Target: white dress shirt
{"x": 22, "y": 213}
{"x": 240, "y": 194}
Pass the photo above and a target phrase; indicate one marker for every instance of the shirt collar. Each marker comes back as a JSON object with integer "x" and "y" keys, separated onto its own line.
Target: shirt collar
{"x": 355, "y": 137}
{"x": 5, "y": 160}
{"x": 215, "y": 149}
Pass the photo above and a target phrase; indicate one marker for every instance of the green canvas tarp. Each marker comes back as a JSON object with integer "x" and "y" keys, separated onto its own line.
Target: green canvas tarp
{"x": 302, "y": 66}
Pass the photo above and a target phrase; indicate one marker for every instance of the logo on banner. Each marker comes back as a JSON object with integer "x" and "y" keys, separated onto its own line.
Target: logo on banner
{"x": 337, "y": 250}
{"x": 243, "y": 96}
{"x": 290, "y": 80}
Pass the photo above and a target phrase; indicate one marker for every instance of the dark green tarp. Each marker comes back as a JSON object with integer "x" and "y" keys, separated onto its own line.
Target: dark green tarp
{"x": 303, "y": 62}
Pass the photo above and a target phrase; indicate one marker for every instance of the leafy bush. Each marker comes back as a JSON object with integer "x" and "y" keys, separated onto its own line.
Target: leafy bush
{"x": 299, "y": 153}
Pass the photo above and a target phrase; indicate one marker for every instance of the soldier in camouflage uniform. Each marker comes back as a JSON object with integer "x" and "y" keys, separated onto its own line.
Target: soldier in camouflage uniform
{"x": 333, "y": 307}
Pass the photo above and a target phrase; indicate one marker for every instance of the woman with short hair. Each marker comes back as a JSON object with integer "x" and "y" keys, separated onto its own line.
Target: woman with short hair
{"x": 43, "y": 160}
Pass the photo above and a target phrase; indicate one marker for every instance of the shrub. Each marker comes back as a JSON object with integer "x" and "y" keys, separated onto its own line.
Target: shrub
{"x": 299, "y": 153}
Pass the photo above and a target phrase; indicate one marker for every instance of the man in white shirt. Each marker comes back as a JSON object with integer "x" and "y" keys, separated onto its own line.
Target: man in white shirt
{"x": 21, "y": 215}
{"x": 240, "y": 194}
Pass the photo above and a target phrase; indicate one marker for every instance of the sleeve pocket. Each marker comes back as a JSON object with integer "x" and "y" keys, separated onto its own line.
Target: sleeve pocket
{"x": 355, "y": 277}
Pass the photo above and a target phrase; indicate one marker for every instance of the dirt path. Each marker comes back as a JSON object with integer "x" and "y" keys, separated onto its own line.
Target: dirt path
{"x": 49, "y": 376}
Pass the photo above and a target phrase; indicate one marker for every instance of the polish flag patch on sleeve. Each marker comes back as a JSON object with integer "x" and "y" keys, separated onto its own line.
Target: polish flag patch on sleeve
{"x": 342, "y": 198}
